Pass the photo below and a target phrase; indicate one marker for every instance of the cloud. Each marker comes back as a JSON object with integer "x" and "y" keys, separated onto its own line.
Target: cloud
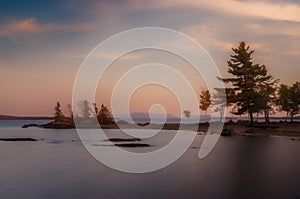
{"x": 294, "y": 52}
{"x": 128, "y": 56}
{"x": 30, "y": 25}
{"x": 208, "y": 35}
{"x": 278, "y": 28}
{"x": 267, "y": 10}
{"x": 285, "y": 11}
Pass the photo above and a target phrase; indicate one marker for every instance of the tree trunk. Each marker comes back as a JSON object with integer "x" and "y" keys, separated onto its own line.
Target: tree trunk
{"x": 292, "y": 117}
{"x": 251, "y": 117}
{"x": 221, "y": 115}
{"x": 267, "y": 116}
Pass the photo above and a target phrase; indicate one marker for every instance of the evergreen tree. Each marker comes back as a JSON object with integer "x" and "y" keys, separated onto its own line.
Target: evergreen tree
{"x": 187, "y": 113}
{"x": 104, "y": 115}
{"x": 222, "y": 98}
{"x": 69, "y": 111}
{"x": 247, "y": 79}
{"x": 85, "y": 109}
{"x": 289, "y": 99}
{"x": 96, "y": 109}
{"x": 295, "y": 99}
{"x": 267, "y": 92}
{"x": 58, "y": 115}
{"x": 205, "y": 101}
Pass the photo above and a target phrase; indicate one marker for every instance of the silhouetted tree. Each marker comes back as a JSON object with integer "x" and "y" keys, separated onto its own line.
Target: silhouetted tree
{"x": 70, "y": 111}
{"x": 219, "y": 101}
{"x": 283, "y": 100}
{"x": 85, "y": 109}
{"x": 187, "y": 113}
{"x": 289, "y": 99}
{"x": 246, "y": 81}
{"x": 295, "y": 99}
{"x": 104, "y": 115}
{"x": 58, "y": 115}
{"x": 96, "y": 109}
{"x": 267, "y": 91}
{"x": 205, "y": 101}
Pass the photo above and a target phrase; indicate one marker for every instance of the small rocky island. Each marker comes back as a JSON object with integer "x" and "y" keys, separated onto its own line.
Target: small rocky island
{"x": 103, "y": 118}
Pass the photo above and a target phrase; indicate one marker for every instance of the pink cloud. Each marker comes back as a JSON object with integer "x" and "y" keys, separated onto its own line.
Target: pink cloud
{"x": 273, "y": 11}
{"x": 31, "y": 26}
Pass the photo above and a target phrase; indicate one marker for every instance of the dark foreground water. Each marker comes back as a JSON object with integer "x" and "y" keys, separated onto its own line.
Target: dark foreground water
{"x": 58, "y": 166}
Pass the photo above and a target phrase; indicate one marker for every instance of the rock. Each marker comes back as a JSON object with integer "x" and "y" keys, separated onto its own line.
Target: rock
{"x": 123, "y": 139}
{"x": 250, "y": 131}
{"x": 18, "y": 139}
{"x": 226, "y": 132}
{"x": 30, "y": 125}
{"x": 133, "y": 145}
{"x": 58, "y": 125}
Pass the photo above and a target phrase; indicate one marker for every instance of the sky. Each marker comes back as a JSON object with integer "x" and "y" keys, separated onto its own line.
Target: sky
{"x": 43, "y": 43}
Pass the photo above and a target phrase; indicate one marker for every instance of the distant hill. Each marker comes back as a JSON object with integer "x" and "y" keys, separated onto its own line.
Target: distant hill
{"x": 147, "y": 116}
{"x": 7, "y": 117}
{"x": 139, "y": 117}
{"x": 10, "y": 117}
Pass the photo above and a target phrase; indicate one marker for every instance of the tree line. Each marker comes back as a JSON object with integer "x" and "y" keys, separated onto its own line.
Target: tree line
{"x": 251, "y": 89}
{"x": 86, "y": 111}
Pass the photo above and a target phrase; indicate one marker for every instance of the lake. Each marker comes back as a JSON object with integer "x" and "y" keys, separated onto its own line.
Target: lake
{"x": 59, "y": 166}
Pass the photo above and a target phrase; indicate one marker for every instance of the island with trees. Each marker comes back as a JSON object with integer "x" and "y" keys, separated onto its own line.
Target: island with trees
{"x": 250, "y": 91}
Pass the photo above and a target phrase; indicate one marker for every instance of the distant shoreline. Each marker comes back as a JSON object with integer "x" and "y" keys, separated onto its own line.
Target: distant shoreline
{"x": 239, "y": 128}
{"x": 10, "y": 117}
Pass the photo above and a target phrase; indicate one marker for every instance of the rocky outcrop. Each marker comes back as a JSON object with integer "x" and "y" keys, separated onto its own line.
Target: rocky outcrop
{"x": 133, "y": 145}
{"x": 226, "y": 132}
{"x": 18, "y": 139}
{"x": 30, "y": 125}
{"x": 58, "y": 125}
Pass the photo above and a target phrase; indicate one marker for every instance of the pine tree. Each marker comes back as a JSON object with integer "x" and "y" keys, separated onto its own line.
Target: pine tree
{"x": 289, "y": 99}
{"x": 266, "y": 88}
{"x": 246, "y": 81}
{"x": 104, "y": 115}
{"x": 85, "y": 109}
{"x": 222, "y": 98}
{"x": 96, "y": 109}
{"x": 295, "y": 99}
{"x": 187, "y": 113}
{"x": 205, "y": 101}
{"x": 69, "y": 111}
{"x": 58, "y": 115}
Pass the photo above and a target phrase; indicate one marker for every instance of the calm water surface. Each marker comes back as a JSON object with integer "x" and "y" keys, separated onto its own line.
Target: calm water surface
{"x": 58, "y": 166}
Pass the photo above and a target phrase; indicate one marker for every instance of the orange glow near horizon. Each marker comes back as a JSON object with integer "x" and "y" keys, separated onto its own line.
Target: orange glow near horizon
{"x": 147, "y": 96}
{"x": 41, "y": 52}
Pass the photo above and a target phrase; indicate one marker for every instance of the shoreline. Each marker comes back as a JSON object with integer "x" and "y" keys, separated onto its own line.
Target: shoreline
{"x": 229, "y": 128}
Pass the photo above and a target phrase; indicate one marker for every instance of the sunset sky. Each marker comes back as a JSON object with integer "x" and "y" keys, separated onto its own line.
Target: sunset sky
{"x": 43, "y": 43}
